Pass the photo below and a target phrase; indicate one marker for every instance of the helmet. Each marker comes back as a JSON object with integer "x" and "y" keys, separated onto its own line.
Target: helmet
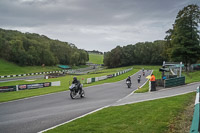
{"x": 75, "y": 78}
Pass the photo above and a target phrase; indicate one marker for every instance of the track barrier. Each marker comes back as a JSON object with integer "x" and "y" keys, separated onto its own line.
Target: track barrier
{"x": 95, "y": 79}
{"x": 28, "y": 86}
{"x": 195, "y": 127}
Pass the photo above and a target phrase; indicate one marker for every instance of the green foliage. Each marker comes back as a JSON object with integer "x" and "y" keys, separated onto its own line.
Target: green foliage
{"x": 96, "y": 58}
{"x": 144, "y": 117}
{"x": 183, "y": 40}
{"x": 28, "y": 49}
{"x": 148, "y": 53}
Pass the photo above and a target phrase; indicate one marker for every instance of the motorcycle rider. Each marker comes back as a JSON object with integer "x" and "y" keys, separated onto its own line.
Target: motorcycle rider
{"x": 139, "y": 77}
{"x": 128, "y": 79}
{"x": 78, "y": 84}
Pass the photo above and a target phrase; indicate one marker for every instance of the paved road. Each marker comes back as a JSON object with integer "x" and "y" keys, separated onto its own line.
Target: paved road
{"x": 21, "y": 78}
{"x": 39, "y": 113}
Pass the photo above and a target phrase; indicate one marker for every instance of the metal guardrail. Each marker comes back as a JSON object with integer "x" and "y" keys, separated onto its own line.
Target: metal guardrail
{"x": 174, "y": 82}
{"x": 195, "y": 127}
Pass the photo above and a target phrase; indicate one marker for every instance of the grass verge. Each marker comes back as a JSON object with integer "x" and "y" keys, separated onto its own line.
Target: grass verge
{"x": 192, "y": 77}
{"x": 145, "y": 88}
{"x": 145, "y": 117}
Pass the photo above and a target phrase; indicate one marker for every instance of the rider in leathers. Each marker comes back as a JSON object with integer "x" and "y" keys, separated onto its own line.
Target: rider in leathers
{"x": 128, "y": 79}
{"x": 78, "y": 84}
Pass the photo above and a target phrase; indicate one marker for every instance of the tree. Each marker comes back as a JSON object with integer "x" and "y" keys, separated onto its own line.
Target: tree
{"x": 184, "y": 37}
{"x": 35, "y": 49}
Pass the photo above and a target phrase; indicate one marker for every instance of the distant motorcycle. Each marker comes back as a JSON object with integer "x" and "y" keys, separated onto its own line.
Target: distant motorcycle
{"x": 128, "y": 83}
{"x": 74, "y": 92}
{"x": 138, "y": 79}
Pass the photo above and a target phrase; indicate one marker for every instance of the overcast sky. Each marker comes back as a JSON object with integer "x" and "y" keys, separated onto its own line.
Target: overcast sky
{"x": 93, "y": 24}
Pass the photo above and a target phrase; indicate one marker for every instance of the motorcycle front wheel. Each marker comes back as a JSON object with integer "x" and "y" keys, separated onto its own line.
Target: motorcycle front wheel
{"x": 72, "y": 94}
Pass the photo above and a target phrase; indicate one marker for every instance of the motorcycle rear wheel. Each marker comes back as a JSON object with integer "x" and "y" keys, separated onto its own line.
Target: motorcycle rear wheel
{"x": 82, "y": 94}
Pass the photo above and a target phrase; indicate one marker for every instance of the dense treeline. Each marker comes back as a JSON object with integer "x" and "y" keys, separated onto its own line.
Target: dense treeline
{"x": 95, "y": 52}
{"x": 182, "y": 44}
{"x": 141, "y": 53}
{"x": 183, "y": 40}
{"x": 34, "y": 49}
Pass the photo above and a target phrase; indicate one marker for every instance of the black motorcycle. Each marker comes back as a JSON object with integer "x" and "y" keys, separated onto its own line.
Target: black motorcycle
{"x": 128, "y": 83}
{"x": 74, "y": 91}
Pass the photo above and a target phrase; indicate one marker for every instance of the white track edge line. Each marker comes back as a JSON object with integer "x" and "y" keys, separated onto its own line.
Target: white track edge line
{"x": 131, "y": 92}
{"x": 154, "y": 98}
{"x": 74, "y": 119}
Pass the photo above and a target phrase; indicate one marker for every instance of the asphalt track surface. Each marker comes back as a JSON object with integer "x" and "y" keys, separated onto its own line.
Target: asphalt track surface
{"x": 21, "y": 78}
{"x": 39, "y": 113}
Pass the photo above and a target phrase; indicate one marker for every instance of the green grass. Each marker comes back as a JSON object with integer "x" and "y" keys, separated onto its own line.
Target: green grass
{"x": 65, "y": 82}
{"x": 192, "y": 77}
{"x": 145, "y": 88}
{"x": 145, "y": 117}
{"x": 8, "y": 68}
{"x": 96, "y": 58}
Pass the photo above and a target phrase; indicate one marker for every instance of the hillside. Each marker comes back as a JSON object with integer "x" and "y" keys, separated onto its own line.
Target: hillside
{"x": 8, "y": 68}
{"x": 96, "y": 58}
{"x": 30, "y": 49}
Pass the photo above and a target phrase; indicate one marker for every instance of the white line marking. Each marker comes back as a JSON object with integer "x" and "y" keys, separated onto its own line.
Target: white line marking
{"x": 133, "y": 91}
{"x": 74, "y": 119}
{"x": 154, "y": 98}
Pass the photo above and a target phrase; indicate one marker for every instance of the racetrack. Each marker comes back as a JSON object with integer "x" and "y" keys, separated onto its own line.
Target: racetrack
{"x": 42, "y": 112}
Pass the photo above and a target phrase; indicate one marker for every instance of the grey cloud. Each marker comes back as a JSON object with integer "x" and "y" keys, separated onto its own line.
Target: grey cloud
{"x": 93, "y": 23}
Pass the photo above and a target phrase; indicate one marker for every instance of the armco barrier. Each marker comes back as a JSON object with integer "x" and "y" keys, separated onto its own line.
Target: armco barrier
{"x": 7, "y": 88}
{"x": 195, "y": 127}
{"x": 28, "y": 86}
{"x": 90, "y": 80}
{"x": 174, "y": 82}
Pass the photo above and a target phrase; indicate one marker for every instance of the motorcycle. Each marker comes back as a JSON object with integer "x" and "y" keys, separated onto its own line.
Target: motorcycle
{"x": 143, "y": 73}
{"x": 74, "y": 92}
{"x": 128, "y": 83}
{"x": 138, "y": 79}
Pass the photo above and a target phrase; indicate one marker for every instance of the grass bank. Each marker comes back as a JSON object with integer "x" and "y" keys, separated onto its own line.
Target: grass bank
{"x": 192, "y": 77}
{"x": 8, "y": 68}
{"x": 96, "y": 58}
{"x": 146, "y": 117}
